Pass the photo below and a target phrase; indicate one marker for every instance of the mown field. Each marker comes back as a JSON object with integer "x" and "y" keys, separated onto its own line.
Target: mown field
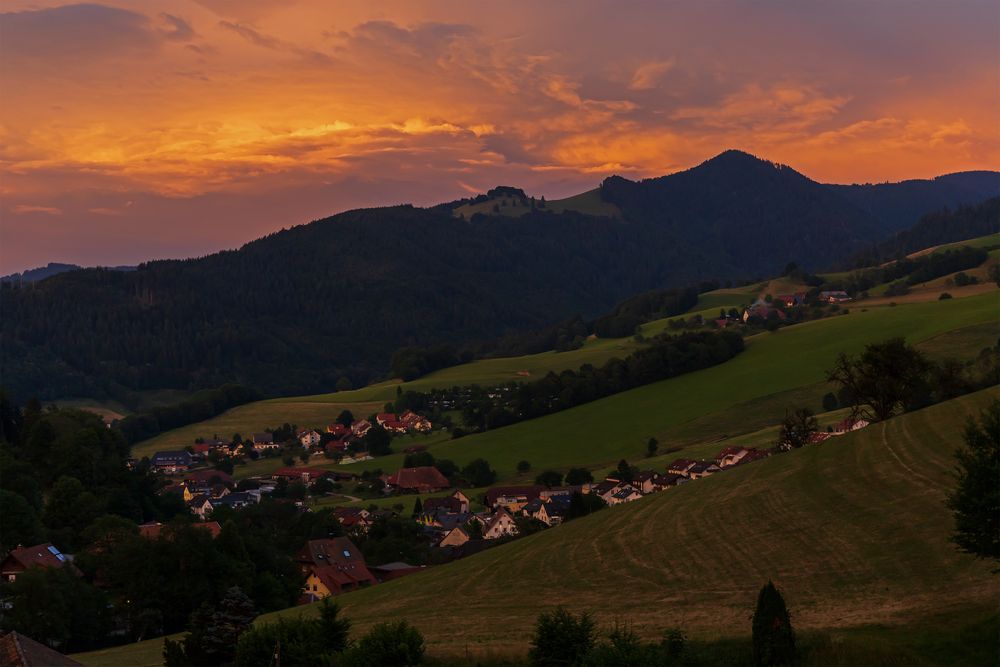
{"x": 854, "y": 531}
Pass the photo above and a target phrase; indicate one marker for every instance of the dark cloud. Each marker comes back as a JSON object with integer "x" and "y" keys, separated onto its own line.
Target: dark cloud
{"x": 82, "y": 31}
{"x": 177, "y": 28}
{"x": 258, "y": 38}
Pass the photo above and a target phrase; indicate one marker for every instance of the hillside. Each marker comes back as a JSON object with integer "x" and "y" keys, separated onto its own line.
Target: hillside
{"x": 740, "y": 396}
{"x": 300, "y": 309}
{"x": 854, "y": 531}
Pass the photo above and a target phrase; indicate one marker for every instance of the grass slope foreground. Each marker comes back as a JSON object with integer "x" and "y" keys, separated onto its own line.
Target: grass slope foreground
{"x": 854, "y": 532}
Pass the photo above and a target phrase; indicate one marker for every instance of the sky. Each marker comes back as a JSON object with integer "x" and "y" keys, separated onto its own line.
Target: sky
{"x": 175, "y": 128}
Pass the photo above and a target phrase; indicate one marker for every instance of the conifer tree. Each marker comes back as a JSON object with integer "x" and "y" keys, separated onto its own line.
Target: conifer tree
{"x": 773, "y": 637}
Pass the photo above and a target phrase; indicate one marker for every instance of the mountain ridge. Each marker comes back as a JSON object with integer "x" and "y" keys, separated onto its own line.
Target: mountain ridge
{"x": 296, "y": 310}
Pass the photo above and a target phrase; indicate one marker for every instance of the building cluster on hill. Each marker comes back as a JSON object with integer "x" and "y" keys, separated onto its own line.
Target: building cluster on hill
{"x": 340, "y": 441}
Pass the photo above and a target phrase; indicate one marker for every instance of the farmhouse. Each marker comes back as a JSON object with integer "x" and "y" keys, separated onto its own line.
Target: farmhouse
{"x": 17, "y": 650}
{"x": 424, "y": 479}
{"x": 20, "y": 559}
{"x": 332, "y": 566}
{"x": 791, "y": 300}
{"x": 834, "y": 296}
{"x": 383, "y": 418}
{"x": 730, "y": 456}
{"x": 338, "y": 430}
{"x": 702, "y": 469}
{"x": 457, "y": 502}
{"x": 849, "y": 425}
{"x": 264, "y": 441}
{"x": 171, "y": 462}
{"x": 361, "y": 427}
{"x": 309, "y": 439}
{"x": 680, "y": 466}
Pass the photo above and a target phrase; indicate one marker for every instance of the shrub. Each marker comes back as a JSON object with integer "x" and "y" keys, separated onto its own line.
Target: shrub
{"x": 303, "y": 641}
{"x": 387, "y": 645}
{"x": 773, "y": 637}
{"x": 549, "y": 478}
{"x": 944, "y": 295}
{"x": 561, "y": 638}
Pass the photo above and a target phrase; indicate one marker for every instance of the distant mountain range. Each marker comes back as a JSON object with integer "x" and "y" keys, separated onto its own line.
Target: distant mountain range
{"x": 50, "y": 269}
{"x": 299, "y": 309}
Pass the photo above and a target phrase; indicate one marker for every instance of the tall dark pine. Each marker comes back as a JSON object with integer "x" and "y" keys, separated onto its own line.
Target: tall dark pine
{"x": 976, "y": 499}
{"x": 773, "y": 637}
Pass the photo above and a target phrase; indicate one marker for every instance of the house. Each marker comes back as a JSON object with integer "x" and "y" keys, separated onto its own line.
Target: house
{"x": 791, "y": 300}
{"x": 353, "y": 518}
{"x": 394, "y": 426}
{"x": 754, "y": 454}
{"x": 555, "y": 511}
{"x": 338, "y": 430}
{"x": 423, "y": 479}
{"x": 849, "y": 425}
{"x": 421, "y": 425}
{"x": 818, "y": 436}
{"x": 501, "y": 524}
{"x": 361, "y": 427}
{"x": 680, "y": 466}
{"x": 171, "y": 462}
{"x": 625, "y": 493}
{"x": 201, "y": 506}
{"x": 337, "y": 446}
{"x": 17, "y": 650}
{"x": 834, "y": 296}
{"x": 609, "y": 494}
{"x": 40, "y": 555}
{"x": 263, "y": 442}
{"x": 384, "y": 417}
{"x": 455, "y": 537}
{"x": 662, "y": 482}
{"x": 201, "y": 449}
{"x": 730, "y": 456}
{"x": 309, "y": 439}
{"x": 703, "y": 469}
{"x": 332, "y": 566}
{"x": 300, "y": 474}
{"x": 643, "y": 481}
{"x": 234, "y": 500}
{"x": 513, "y": 498}
{"x": 763, "y": 311}
{"x": 457, "y": 502}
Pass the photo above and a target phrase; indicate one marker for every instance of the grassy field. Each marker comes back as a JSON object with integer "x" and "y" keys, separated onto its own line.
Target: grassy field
{"x": 745, "y": 394}
{"x": 588, "y": 202}
{"x": 854, "y": 531}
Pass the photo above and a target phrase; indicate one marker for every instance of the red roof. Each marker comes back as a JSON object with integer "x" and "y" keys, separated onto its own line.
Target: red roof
{"x": 336, "y": 562}
{"x": 394, "y": 424}
{"x": 338, "y": 429}
{"x": 385, "y": 417}
{"x": 39, "y": 555}
{"x": 681, "y": 464}
{"x": 424, "y": 478}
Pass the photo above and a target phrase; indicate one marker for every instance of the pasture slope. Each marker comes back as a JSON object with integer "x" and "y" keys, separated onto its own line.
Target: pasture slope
{"x": 740, "y": 396}
{"x": 854, "y": 531}
{"x": 743, "y": 395}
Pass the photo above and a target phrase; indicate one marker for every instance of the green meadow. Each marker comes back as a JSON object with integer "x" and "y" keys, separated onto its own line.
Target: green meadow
{"x": 854, "y": 531}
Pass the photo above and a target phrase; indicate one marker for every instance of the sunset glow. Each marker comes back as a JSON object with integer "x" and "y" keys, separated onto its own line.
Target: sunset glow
{"x": 165, "y": 128}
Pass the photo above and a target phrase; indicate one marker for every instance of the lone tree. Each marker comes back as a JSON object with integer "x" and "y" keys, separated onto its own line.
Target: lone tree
{"x": 975, "y": 502}
{"x": 562, "y": 639}
{"x": 885, "y": 377}
{"x": 651, "y": 446}
{"x": 418, "y": 507}
{"x": 523, "y": 466}
{"x": 773, "y": 637}
{"x": 345, "y": 418}
{"x": 796, "y": 429}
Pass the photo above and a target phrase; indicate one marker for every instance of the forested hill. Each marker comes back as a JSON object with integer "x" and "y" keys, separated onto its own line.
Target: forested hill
{"x": 299, "y": 309}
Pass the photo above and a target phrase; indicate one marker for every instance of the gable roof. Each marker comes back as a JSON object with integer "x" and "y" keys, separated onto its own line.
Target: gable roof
{"x": 39, "y": 555}
{"x": 177, "y": 456}
{"x": 17, "y": 650}
{"x": 337, "y": 562}
{"x": 208, "y": 476}
{"x": 423, "y": 477}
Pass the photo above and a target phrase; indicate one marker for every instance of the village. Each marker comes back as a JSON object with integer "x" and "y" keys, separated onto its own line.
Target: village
{"x": 450, "y": 523}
